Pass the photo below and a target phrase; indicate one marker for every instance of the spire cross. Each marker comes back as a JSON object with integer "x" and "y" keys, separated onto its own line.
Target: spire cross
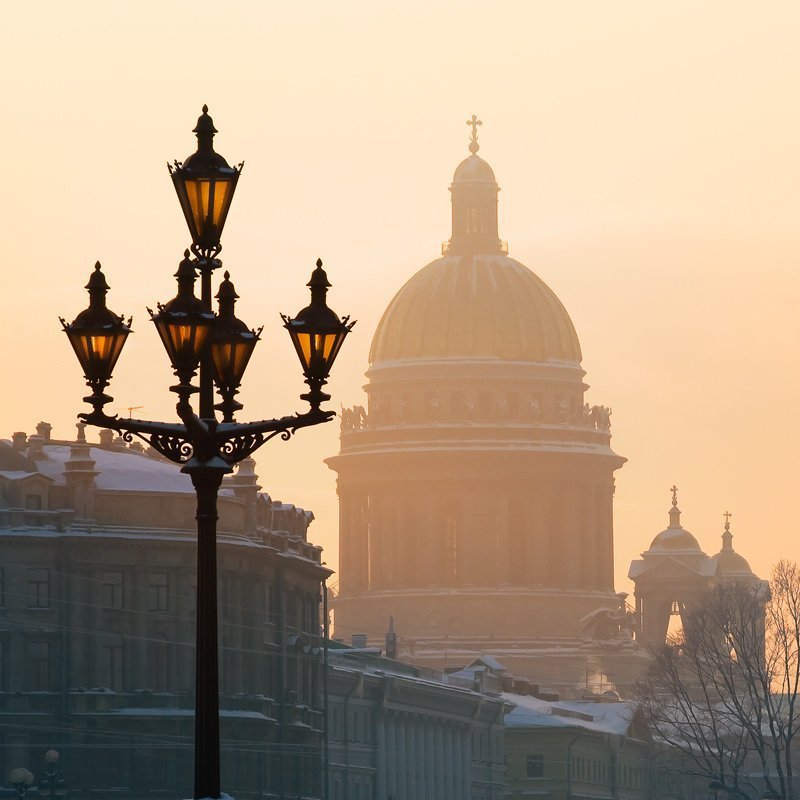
{"x": 727, "y": 516}
{"x": 473, "y": 142}
{"x": 674, "y": 490}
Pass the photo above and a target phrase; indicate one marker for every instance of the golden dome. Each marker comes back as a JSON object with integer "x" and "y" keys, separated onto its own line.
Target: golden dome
{"x": 476, "y": 306}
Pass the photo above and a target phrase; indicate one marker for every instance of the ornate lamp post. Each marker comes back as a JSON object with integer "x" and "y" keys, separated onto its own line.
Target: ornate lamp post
{"x": 52, "y": 784}
{"x": 218, "y": 346}
{"x": 21, "y": 779}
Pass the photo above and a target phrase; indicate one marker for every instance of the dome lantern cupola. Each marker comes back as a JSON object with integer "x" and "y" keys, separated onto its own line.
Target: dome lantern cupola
{"x": 474, "y": 196}
{"x": 729, "y": 563}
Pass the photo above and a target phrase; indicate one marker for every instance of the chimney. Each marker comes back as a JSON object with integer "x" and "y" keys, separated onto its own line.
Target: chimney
{"x": 245, "y": 486}
{"x": 19, "y": 441}
{"x": 44, "y": 429}
{"x": 391, "y": 640}
{"x": 106, "y": 438}
{"x": 522, "y": 686}
{"x": 36, "y": 448}
{"x": 359, "y": 640}
{"x": 79, "y": 475}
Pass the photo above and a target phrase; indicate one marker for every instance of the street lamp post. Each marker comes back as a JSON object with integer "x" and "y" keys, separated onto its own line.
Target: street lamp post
{"x": 218, "y": 346}
{"x": 52, "y": 784}
{"x": 21, "y": 779}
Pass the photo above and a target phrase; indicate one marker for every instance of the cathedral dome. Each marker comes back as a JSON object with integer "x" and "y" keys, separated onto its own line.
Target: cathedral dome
{"x": 730, "y": 565}
{"x": 476, "y": 306}
{"x": 673, "y": 539}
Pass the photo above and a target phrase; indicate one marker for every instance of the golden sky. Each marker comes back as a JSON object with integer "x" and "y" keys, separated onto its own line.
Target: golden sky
{"x": 648, "y": 156}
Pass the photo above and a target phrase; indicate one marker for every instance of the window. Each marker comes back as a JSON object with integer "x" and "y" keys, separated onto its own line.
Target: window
{"x": 112, "y": 592}
{"x": 38, "y": 588}
{"x": 2, "y": 666}
{"x": 33, "y": 502}
{"x": 267, "y": 599}
{"x": 2, "y": 588}
{"x": 111, "y": 665}
{"x": 534, "y": 766}
{"x": 159, "y": 591}
{"x": 38, "y": 672}
{"x": 158, "y": 665}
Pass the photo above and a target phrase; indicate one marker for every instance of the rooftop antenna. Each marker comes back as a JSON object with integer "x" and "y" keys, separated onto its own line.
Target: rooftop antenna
{"x": 131, "y": 409}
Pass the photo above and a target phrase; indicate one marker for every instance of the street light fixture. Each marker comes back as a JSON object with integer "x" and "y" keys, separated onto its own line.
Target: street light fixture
{"x": 52, "y": 783}
{"x": 218, "y": 346}
{"x": 205, "y": 185}
{"x": 21, "y": 779}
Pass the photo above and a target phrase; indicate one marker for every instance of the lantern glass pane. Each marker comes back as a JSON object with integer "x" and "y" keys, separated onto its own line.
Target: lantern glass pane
{"x": 208, "y": 199}
{"x": 304, "y": 343}
{"x": 98, "y": 351}
{"x": 324, "y": 344}
{"x": 230, "y": 360}
{"x": 198, "y": 192}
{"x": 221, "y": 356}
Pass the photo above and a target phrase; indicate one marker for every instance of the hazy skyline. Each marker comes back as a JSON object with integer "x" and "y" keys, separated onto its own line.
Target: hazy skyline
{"x": 649, "y": 170}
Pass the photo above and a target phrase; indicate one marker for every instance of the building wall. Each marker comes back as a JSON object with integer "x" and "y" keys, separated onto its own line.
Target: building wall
{"x": 97, "y": 632}
{"x": 573, "y": 762}
{"x": 393, "y": 733}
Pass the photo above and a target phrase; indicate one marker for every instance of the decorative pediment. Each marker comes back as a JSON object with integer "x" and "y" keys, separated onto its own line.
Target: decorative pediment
{"x": 669, "y": 568}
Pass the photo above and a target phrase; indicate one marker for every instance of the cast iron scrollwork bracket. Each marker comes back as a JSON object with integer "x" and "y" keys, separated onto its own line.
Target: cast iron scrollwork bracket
{"x": 172, "y": 441}
{"x": 231, "y": 441}
{"x": 237, "y": 441}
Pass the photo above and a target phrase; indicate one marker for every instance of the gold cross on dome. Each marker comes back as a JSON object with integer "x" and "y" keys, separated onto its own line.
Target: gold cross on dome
{"x": 473, "y": 142}
{"x": 674, "y": 490}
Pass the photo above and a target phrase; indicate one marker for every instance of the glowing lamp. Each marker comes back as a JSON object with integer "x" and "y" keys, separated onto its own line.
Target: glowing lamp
{"x": 205, "y": 184}
{"x": 97, "y": 334}
{"x": 184, "y": 323}
{"x": 232, "y": 344}
{"x": 317, "y": 334}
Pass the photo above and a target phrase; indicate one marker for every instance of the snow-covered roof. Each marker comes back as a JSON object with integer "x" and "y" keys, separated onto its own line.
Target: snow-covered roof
{"x": 18, "y": 475}
{"x": 531, "y": 712}
{"x": 119, "y": 469}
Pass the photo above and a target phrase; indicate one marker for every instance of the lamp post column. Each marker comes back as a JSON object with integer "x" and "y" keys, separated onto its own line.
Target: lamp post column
{"x": 207, "y": 480}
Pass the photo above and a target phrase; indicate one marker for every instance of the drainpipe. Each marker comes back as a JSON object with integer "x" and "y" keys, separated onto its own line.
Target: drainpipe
{"x": 325, "y": 730}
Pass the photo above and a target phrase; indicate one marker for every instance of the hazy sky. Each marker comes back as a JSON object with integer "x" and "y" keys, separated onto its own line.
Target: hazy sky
{"x": 648, "y": 157}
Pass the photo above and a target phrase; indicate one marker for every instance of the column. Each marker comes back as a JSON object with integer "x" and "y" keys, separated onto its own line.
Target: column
{"x": 536, "y": 544}
{"x": 430, "y": 764}
{"x": 466, "y": 760}
{"x": 441, "y": 764}
{"x": 419, "y": 739}
{"x": 589, "y": 538}
{"x": 380, "y": 755}
{"x": 411, "y": 758}
{"x": 449, "y": 766}
{"x": 458, "y": 763}
{"x": 345, "y": 536}
{"x": 402, "y": 760}
{"x": 391, "y": 755}
{"x": 572, "y": 538}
